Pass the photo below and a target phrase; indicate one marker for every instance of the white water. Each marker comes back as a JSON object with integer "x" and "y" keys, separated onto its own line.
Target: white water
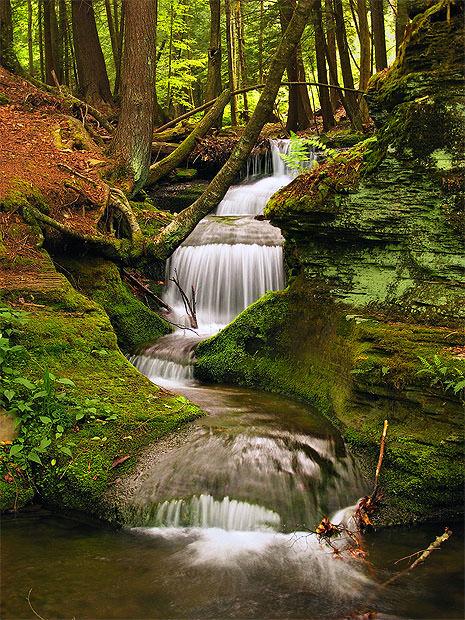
{"x": 230, "y": 260}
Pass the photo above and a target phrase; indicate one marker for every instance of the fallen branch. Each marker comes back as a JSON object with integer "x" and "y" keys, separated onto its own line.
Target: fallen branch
{"x": 77, "y": 174}
{"x": 189, "y": 304}
{"x": 434, "y": 546}
{"x": 380, "y": 458}
{"x": 241, "y": 91}
{"x": 169, "y": 163}
{"x": 28, "y": 598}
{"x": 146, "y": 290}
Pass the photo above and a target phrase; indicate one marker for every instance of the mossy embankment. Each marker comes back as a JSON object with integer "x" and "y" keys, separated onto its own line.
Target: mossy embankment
{"x": 77, "y": 333}
{"x": 374, "y": 250}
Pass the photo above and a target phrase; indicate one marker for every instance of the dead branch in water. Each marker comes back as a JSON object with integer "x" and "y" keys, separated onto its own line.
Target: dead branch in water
{"x": 189, "y": 304}
{"x": 434, "y": 546}
{"x": 146, "y": 290}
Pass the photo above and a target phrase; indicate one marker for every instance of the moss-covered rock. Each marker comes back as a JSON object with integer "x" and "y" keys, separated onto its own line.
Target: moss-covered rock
{"x": 134, "y": 323}
{"x": 373, "y": 327}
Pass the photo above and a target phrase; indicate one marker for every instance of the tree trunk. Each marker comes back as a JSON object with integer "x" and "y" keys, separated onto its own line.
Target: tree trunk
{"x": 132, "y": 143}
{"x": 7, "y": 55}
{"x": 351, "y": 103}
{"x": 112, "y": 32}
{"x": 365, "y": 55}
{"x": 402, "y": 20}
{"x": 213, "y": 86}
{"x": 64, "y": 42}
{"x": 171, "y": 236}
{"x": 300, "y": 110}
{"x": 40, "y": 6}
{"x": 231, "y": 66}
{"x": 94, "y": 86}
{"x": 260, "y": 43}
{"x": 53, "y": 61}
{"x": 325, "y": 102}
{"x": 379, "y": 35}
{"x": 29, "y": 37}
{"x": 334, "y": 94}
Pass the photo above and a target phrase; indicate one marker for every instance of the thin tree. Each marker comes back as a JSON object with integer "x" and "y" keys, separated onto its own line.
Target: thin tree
{"x": 350, "y": 99}
{"x": 331, "y": 54}
{"x": 402, "y": 20}
{"x": 94, "y": 85}
{"x": 379, "y": 34}
{"x": 53, "y": 64}
{"x": 300, "y": 110}
{"x": 8, "y": 57}
{"x": 29, "y": 37}
{"x": 323, "y": 91}
{"x": 231, "y": 66}
{"x": 132, "y": 142}
{"x": 365, "y": 55}
{"x": 213, "y": 85}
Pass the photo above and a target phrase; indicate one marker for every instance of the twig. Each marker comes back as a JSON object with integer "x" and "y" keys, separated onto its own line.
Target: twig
{"x": 77, "y": 174}
{"x": 436, "y": 544}
{"x": 147, "y": 291}
{"x": 32, "y": 608}
{"x": 189, "y": 305}
{"x": 380, "y": 458}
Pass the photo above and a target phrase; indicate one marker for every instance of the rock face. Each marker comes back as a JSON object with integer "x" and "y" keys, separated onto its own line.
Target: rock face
{"x": 372, "y": 325}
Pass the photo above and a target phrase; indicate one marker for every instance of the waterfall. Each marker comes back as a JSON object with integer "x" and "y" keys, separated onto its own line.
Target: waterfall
{"x": 230, "y": 260}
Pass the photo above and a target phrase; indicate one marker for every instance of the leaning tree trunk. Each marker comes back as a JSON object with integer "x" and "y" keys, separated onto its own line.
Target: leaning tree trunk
{"x": 132, "y": 144}
{"x": 299, "y": 108}
{"x": 379, "y": 34}
{"x": 7, "y": 55}
{"x": 325, "y": 101}
{"x": 171, "y": 236}
{"x": 213, "y": 87}
{"x": 94, "y": 86}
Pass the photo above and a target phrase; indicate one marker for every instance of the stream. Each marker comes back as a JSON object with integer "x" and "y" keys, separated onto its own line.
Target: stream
{"x": 220, "y": 522}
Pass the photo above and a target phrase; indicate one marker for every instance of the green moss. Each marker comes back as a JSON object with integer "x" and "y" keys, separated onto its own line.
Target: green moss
{"x": 14, "y": 495}
{"x": 134, "y": 323}
{"x": 4, "y": 100}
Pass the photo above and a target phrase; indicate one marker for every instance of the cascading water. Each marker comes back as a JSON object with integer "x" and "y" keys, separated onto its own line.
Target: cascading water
{"x": 249, "y": 478}
{"x": 229, "y": 260}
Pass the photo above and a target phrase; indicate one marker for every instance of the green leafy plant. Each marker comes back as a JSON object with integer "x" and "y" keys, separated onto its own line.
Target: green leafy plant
{"x": 449, "y": 378}
{"x": 44, "y": 408}
{"x": 298, "y": 158}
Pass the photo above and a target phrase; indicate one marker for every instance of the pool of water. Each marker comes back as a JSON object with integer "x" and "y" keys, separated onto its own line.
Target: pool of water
{"x": 222, "y": 531}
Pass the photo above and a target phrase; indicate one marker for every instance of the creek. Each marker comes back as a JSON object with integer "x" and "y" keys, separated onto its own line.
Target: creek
{"x": 220, "y": 523}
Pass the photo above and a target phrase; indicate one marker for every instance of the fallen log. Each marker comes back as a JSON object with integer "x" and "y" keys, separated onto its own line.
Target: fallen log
{"x": 169, "y": 163}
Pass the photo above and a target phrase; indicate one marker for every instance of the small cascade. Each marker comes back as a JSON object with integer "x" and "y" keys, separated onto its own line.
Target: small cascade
{"x": 205, "y": 511}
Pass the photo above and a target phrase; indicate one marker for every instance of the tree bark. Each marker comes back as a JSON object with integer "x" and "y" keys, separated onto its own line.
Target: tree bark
{"x": 29, "y": 37}
{"x": 402, "y": 20}
{"x": 132, "y": 143}
{"x": 324, "y": 94}
{"x": 213, "y": 86}
{"x": 365, "y": 55}
{"x": 94, "y": 86}
{"x": 331, "y": 54}
{"x": 171, "y": 236}
{"x": 379, "y": 35}
{"x": 53, "y": 63}
{"x": 7, "y": 55}
{"x": 350, "y": 98}
{"x": 231, "y": 67}
{"x": 300, "y": 110}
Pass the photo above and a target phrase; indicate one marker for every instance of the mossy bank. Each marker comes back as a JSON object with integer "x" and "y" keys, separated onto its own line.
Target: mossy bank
{"x": 372, "y": 324}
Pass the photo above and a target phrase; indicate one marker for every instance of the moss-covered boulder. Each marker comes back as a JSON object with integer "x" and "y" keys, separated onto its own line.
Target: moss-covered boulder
{"x": 373, "y": 326}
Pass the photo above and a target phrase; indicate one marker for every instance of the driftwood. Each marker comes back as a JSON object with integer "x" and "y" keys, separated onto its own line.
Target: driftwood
{"x": 189, "y": 304}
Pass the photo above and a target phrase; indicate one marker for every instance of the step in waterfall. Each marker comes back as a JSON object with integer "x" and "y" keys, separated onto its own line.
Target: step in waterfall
{"x": 230, "y": 260}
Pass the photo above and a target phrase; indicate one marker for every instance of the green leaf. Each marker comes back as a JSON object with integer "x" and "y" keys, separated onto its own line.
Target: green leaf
{"x": 459, "y": 386}
{"x": 45, "y": 419}
{"x": 16, "y": 449}
{"x": 79, "y": 416}
{"x": 8, "y": 394}
{"x": 65, "y": 381}
{"x": 66, "y": 450}
{"x": 25, "y": 382}
{"x": 33, "y": 456}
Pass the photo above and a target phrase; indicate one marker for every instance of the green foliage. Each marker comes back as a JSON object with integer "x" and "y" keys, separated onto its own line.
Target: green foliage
{"x": 298, "y": 157}
{"x": 44, "y": 408}
{"x": 449, "y": 378}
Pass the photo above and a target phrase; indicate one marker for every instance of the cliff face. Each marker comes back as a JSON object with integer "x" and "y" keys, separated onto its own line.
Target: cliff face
{"x": 372, "y": 325}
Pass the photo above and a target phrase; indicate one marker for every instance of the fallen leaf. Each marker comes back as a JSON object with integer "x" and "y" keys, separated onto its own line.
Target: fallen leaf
{"x": 120, "y": 459}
